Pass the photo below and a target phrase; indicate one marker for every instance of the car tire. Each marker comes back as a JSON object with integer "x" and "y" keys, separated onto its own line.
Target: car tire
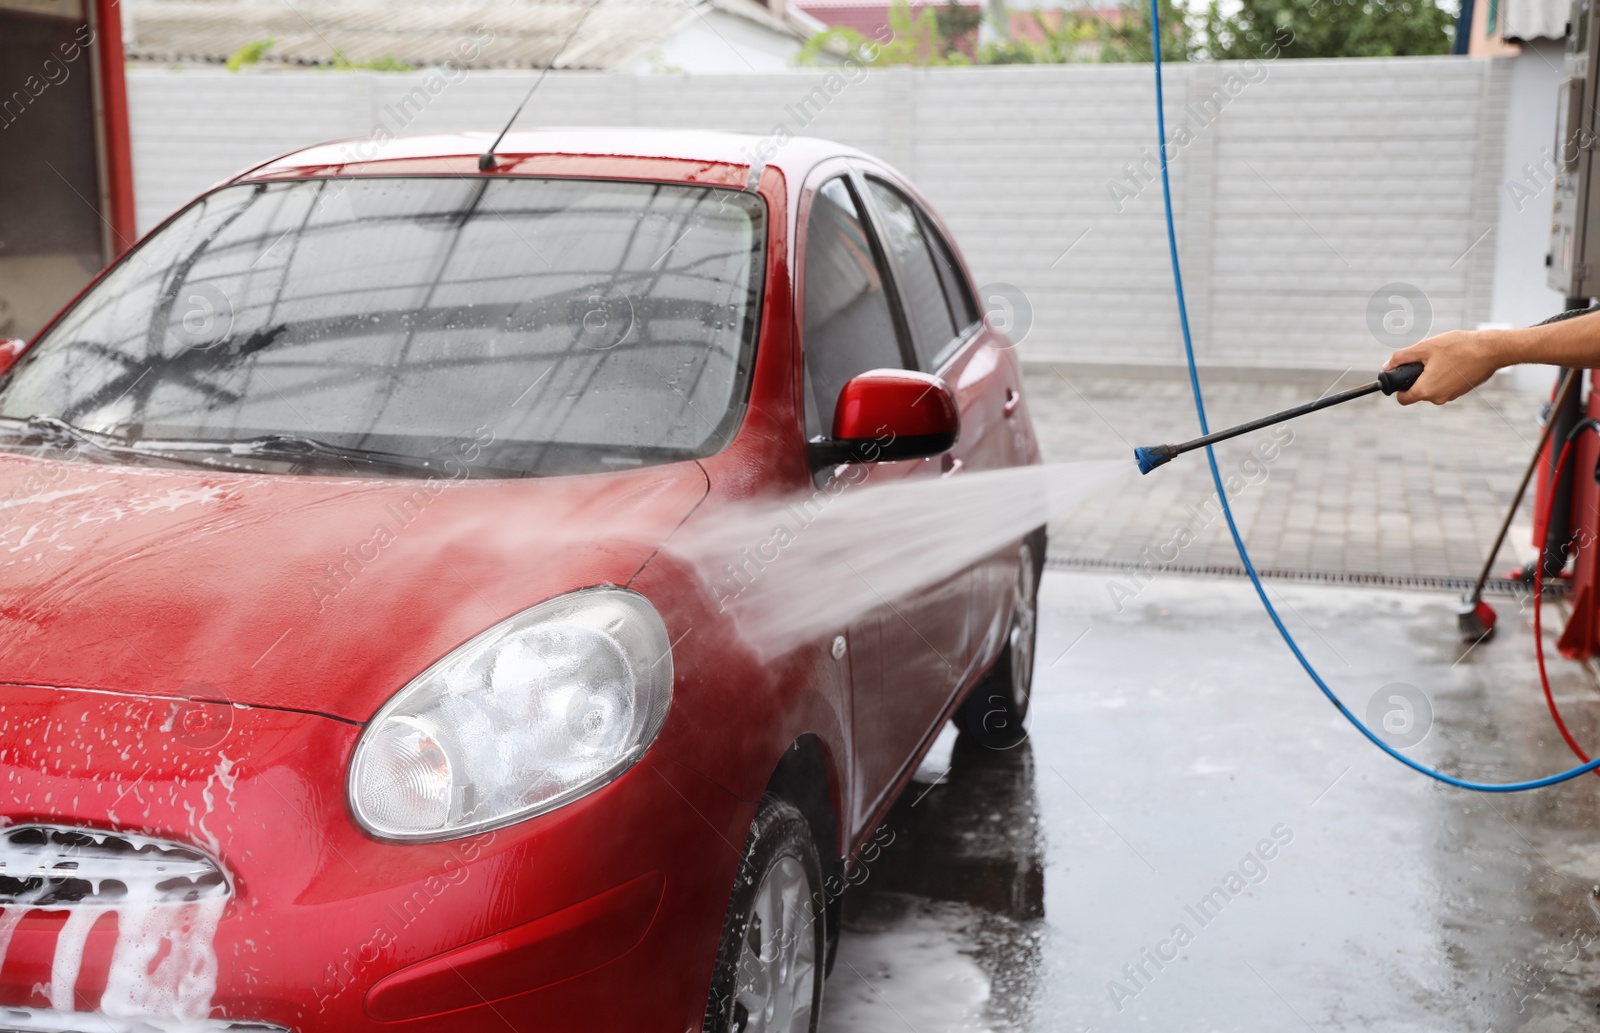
{"x": 769, "y": 970}
{"x": 994, "y": 713}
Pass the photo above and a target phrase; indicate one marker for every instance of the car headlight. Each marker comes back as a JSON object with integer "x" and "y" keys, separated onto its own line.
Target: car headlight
{"x": 532, "y": 714}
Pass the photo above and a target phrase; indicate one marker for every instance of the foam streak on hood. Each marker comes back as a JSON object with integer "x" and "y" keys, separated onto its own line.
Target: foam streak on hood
{"x": 320, "y": 594}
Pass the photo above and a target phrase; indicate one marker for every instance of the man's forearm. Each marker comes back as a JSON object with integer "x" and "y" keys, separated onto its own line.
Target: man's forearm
{"x": 1459, "y": 360}
{"x": 1572, "y": 342}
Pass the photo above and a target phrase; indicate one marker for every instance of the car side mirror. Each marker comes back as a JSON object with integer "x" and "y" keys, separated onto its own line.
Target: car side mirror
{"x": 10, "y": 351}
{"x": 888, "y": 414}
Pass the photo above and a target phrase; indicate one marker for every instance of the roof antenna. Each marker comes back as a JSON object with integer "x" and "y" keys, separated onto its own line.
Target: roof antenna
{"x": 486, "y": 160}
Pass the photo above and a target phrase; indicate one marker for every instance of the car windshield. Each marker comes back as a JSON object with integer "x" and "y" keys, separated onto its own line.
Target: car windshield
{"x": 540, "y": 325}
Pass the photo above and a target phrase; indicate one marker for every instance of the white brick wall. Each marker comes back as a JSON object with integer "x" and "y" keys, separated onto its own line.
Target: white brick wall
{"x": 1319, "y": 182}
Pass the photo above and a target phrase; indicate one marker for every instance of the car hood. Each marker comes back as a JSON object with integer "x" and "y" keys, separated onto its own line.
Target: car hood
{"x": 306, "y": 593}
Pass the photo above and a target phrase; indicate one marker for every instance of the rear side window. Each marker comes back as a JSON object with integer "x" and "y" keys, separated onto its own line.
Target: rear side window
{"x": 956, "y": 291}
{"x": 921, "y": 292}
{"x": 848, "y": 326}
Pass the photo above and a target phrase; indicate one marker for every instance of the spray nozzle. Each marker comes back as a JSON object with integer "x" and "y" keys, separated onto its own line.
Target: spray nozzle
{"x": 1153, "y": 456}
{"x": 1401, "y": 378}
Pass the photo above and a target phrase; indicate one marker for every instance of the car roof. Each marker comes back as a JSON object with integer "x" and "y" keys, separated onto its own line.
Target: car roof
{"x": 790, "y": 155}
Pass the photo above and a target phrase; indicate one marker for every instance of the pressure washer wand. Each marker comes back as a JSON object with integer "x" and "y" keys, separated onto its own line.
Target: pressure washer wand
{"x": 1389, "y": 381}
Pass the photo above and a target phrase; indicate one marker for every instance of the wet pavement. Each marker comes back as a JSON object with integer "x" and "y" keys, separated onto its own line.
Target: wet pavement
{"x": 1192, "y": 839}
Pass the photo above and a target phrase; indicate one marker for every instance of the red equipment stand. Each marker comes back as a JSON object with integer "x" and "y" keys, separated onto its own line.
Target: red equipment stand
{"x": 1581, "y": 637}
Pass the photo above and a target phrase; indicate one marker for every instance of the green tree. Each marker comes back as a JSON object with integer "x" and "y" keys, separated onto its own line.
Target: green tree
{"x": 386, "y": 63}
{"x": 1064, "y": 36}
{"x": 914, "y": 39}
{"x": 1127, "y": 37}
{"x": 1327, "y": 28}
{"x": 957, "y": 24}
{"x": 250, "y": 54}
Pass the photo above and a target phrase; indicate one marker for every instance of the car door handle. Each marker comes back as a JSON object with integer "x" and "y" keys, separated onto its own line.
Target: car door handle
{"x": 951, "y": 465}
{"x": 1013, "y": 399}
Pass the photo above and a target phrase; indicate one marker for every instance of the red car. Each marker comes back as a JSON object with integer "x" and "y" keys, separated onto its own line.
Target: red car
{"x": 347, "y": 678}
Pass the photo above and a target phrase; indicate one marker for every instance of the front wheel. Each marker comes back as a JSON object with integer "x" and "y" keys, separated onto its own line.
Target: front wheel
{"x": 768, "y": 977}
{"x": 993, "y": 714}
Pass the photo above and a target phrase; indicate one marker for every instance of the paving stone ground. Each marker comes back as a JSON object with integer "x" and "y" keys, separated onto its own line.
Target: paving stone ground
{"x": 1368, "y": 487}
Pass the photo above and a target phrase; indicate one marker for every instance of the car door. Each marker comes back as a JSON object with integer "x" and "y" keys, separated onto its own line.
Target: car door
{"x": 906, "y": 655}
{"x": 951, "y": 341}
{"x": 937, "y": 330}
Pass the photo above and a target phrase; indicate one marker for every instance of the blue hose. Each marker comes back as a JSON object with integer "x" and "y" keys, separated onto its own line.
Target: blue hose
{"x": 1227, "y": 511}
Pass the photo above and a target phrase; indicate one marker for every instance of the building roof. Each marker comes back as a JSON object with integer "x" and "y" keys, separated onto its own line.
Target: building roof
{"x": 527, "y": 34}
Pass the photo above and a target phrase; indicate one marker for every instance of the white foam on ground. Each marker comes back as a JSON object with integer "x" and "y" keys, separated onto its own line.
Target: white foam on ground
{"x": 912, "y": 976}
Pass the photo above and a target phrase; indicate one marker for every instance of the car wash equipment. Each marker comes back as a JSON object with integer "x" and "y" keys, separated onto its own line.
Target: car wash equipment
{"x": 1579, "y": 506}
{"x": 1474, "y": 617}
{"x": 1553, "y": 524}
{"x": 1389, "y": 381}
{"x": 1162, "y": 148}
{"x": 1538, "y": 594}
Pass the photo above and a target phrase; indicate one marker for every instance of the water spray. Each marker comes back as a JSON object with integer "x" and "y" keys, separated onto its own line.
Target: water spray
{"x": 1389, "y": 381}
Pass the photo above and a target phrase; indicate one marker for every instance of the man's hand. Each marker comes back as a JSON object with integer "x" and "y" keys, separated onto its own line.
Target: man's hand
{"x": 1453, "y": 364}
{"x": 1456, "y": 362}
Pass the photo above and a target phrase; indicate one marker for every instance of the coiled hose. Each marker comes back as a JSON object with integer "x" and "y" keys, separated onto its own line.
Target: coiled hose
{"x": 1227, "y": 512}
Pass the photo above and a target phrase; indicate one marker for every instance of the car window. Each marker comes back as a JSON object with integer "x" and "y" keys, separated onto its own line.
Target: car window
{"x": 583, "y": 325}
{"x": 927, "y": 311}
{"x": 951, "y": 277}
{"x": 848, "y": 327}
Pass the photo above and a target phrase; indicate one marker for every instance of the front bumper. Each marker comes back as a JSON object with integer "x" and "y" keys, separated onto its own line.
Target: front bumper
{"x": 45, "y": 1020}
{"x": 601, "y": 915}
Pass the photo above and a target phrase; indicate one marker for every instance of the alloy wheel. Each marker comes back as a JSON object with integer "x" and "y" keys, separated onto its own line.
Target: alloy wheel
{"x": 777, "y": 962}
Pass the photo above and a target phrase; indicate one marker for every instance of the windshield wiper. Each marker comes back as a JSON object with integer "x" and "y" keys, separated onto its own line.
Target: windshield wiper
{"x": 293, "y": 446}
{"x": 54, "y": 432}
{"x": 58, "y": 433}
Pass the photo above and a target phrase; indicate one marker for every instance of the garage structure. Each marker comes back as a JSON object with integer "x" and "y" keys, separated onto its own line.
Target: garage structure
{"x": 67, "y": 209}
